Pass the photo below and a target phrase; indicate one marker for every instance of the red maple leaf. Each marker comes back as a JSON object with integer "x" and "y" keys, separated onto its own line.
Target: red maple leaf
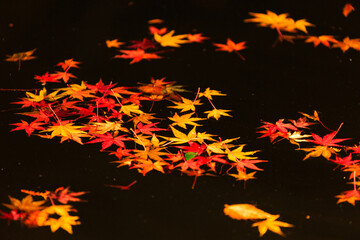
{"x": 346, "y": 161}
{"x": 231, "y": 46}
{"x": 148, "y": 128}
{"x": 29, "y": 128}
{"x": 63, "y": 195}
{"x": 144, "y": 44}
{"x": 46, "y": 78}
{"x": 100, "y": 87}
{"x": 327, "y": 140}
{"x": 198, "y": 37}
{"x": 137, "y": 55}
{"x": 241, "y": 165}
{"x": 108, "y": 140}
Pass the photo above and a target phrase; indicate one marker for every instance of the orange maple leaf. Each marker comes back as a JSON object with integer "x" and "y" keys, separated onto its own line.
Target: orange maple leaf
{"x": 113, "y": 43}
{"x": 323, "y": 39}
{"x": 231, "y": 46}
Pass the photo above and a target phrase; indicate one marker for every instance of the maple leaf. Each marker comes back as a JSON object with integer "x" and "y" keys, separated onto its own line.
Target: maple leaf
{"x": 238, "y": 154}
{"x": 241, "y": 165}
{"x": 29, "y": 128}
{"x": 186, "y": 104}
{"x": 348, "y": 43}
{"x": 137, "y": 55}
{"x": 100, "y": 87}
{"x": 245, "y": 211}
{"x": 13, "y": 215}
{"x": 345, "y": 162}
{"x": 103, "y": 127}
{"x": 272, "y": 225}
{"x": 131, "y": 108}
{"x": 148, "y": 128}
{"x": 45, "y": 78}
{"x": 42, "y": 96}
{"x": 26, "y": 204}
{"x": 209, "y": 93}
{"x": 323, "y": 39}
{"x": 318, "y": 151}
{"x": 242, "y": 176}
{"x": 76, "y": 91}
{"x": 348, "y": 8}
{"x": 108, "y": 140}
{"x": 327, "y": 140}
{"x": 217, "y": 113}
{"x": 181, "y": 138}
{"x": 68, "y": 63}
{"x": 65, "y": 76}
{"x": 198, "y": 37}
{"x": 144, "y": 44}
{"x": 153, "y": 30}
{"x": 279, "y": 22}
{"x": 301, "y": 123}
{"x": 296, "y": 137}
{"x": 184, "y": 120}
{"x": 230, "y": 46}
{"x": 349, "y": 196}
{"x": 113, "y": 43}
{"x": 20, "y": 56}
{"x": 168, "y": 40}
{"x": 64, "y": 129}
{"x": 65, "y": 221}
{"x": 63, "y": 195}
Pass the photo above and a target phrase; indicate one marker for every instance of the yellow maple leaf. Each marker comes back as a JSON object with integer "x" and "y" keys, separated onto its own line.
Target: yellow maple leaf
{"x": 76, "y": 91}
{"x": 238, "y": 154}
{"x": 242, "y": 176}
{"x": 26, "y": 204}
{"x": 279, "y": 22}
{"x": 131, "y": 108}
{"x": 65, "y": 221}
{"x": 20, "y": 56}
{"x": 209, "y": 93}
{"x": 168, "y": 40}
{"x": 65, "y": 129}
{"x": 186, "y": 104}
{"x": 184, "y": 120}
{"x": 272, "y": 225}
{"x": 217, "y": 113}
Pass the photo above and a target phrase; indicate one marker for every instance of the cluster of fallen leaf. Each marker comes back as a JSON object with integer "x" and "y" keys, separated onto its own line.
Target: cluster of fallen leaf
{"x": 283, "y": 23}
{"x": 298, "y": 132}
{"x": 53, "y": 211}
{"x": 120, "y": 119}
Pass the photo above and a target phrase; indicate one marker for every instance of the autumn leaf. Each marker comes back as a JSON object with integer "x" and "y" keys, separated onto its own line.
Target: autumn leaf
{"x": 198, "y": 37}
{"x": 348, "y": 8}
{"x": 272, "y": 225}
{"x": 26, "y": 204}
{"x": 20, "y": 56}
{"x": 29, "y": 128}
{"x": 65, "y": 221}
{"x": 63, "y": 195}
{"x": 108, "y": 140}
{"x": 348, "y": 43}
{"x": 137, "y": 55}
{"x": 76, "y": 91}
{"x": 113, "y": 43}
{"x": 168, "y": 40}
{"x": 186, "y": 105}
{"x": 242, "y": 176}
{"x": 323, "y": 39}
{"x": 64, "y": 129}
{"x": 45, "y": 78}
{"x": 153, "y": 30}
{"x": 184, "y": 120}
{"x": 230, "y": 46}
{"x": 68, "y": 63}
{"x": 245, "y": 211}
{"x": 279, "y": 22}
{"x": 349, "y": 196}
{"x": 217, "y": 113}
{"x": 127, "y": 187}
{"x": 208, "y": 93}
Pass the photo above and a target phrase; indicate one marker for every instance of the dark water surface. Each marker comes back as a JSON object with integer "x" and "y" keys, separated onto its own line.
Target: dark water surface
{"x": 272, "y": 83}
